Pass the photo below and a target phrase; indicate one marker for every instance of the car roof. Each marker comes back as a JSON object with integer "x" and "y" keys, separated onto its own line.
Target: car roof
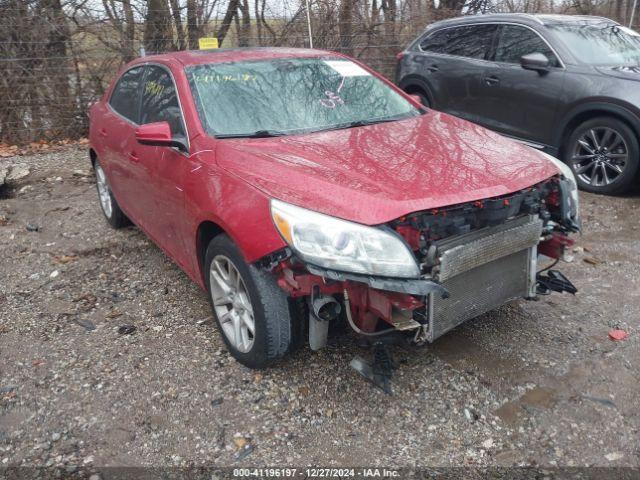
{"x": 222, "y": 55}
{"x": 523, "y": 18}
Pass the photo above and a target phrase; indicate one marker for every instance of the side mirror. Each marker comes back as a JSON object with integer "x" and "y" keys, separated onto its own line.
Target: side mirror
{"x": 538, "y": 62}
{"x": 158, "y": 134}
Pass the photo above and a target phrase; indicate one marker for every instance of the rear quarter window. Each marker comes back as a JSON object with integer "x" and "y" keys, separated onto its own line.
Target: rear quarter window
{"x": 434, "y": 42}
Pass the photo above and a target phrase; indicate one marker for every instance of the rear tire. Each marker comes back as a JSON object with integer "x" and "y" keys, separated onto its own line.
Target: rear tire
{"x": 424, "y": 100}
{"x": 251, "y": 310}
{"x": 604, "y": 155}
{"x": 108, "y": 204}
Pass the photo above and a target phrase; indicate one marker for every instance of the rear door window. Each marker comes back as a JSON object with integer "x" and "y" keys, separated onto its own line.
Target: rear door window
{"x": 514, "y": 42}
{"x": 160, "y": 100}
{"x": 125, "y": 98}
{"x": 470, "y": 41}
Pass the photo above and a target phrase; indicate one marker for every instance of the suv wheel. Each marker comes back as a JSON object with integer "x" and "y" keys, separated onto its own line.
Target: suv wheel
{"x": 603, "y": 154}
{"x": 251, "y": 310}
{"x": 108, "y": 204}
{"x": 424, "y": 100}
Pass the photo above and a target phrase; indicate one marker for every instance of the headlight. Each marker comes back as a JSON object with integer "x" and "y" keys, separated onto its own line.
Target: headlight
{"x": 567, "y": 173}
{"x": 341, "y": 245}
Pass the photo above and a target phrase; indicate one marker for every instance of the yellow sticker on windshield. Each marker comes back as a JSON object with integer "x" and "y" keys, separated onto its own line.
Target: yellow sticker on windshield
{"x": 207, "y": 43}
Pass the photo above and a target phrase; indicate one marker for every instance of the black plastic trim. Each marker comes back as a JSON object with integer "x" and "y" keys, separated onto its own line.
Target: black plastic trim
{"x": 410, "y": 286}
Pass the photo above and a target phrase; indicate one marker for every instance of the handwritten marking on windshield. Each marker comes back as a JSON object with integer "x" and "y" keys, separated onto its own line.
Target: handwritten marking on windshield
{"x": 333, "y": 99}
{"x": 215, "y": 78}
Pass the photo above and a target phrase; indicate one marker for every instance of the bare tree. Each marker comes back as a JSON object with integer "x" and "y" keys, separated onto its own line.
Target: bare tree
{"x": 345, "y": 23}
{"x": 58, "y": 56}
{"x": 158, "y": 31}
{"x": 232, "y": 11}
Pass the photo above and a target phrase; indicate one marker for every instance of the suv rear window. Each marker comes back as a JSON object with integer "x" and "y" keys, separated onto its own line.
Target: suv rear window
{"x": 471, "y": 41}
{"x": 125, "y": 98}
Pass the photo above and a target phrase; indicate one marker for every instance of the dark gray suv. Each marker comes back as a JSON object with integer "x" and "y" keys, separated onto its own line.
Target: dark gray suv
{"x": 569, "y": 85}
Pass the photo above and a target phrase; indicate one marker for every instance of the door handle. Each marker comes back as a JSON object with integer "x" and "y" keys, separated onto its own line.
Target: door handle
{"x": 491, "y": 80}
{"x": 133, "y": 157}
{"x": 102, "y": 132}
{"x": 433, "y": 68}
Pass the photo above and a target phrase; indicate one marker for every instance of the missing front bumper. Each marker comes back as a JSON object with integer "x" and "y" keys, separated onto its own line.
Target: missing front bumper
{"x": 480, "y": 290}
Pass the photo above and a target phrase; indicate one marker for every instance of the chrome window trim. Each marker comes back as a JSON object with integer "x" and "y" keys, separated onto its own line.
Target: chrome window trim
{"x": 175, "y": 88}
{"x": 496, "y": 23}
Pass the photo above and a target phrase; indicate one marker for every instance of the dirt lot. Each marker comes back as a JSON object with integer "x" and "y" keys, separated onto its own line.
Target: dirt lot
{"x": 534, "y": 383}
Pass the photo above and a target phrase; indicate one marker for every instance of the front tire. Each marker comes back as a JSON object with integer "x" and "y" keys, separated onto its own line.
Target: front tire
{"x": 112, "y": 212}
{"x": 251, "y": 310}
{"x": 604, "y": 155}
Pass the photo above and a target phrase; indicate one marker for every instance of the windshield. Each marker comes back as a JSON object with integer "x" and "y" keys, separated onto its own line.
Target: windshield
{"x": 285, "y": 96}
{"x": 601, "y": 43}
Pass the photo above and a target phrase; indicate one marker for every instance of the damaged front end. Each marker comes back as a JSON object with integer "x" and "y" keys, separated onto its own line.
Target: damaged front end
{"x": 429, "y": 271}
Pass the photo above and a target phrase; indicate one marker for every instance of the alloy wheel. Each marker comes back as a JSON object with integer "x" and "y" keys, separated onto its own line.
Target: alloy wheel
{"x": 232, "y": 304}
{"x": 600, "y": 156}
{"x": 103, "y": 191}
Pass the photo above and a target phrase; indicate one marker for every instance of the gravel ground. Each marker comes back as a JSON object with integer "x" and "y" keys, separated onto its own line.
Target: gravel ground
{"x": 534, "y": 383}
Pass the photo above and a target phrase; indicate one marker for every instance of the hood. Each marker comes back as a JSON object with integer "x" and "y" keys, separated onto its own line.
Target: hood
{"x": 625, "y": 72}
{"x": 381, "y": 172}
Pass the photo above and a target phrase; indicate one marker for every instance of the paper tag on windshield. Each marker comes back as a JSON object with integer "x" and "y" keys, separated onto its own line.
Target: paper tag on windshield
{"x": 347, "y": 69}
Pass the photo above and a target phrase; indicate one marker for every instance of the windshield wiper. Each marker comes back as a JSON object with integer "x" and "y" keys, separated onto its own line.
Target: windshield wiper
{"x": 362, "y": 123}
{"x": 278, "y": 133}
{"x": 256, "y": 134}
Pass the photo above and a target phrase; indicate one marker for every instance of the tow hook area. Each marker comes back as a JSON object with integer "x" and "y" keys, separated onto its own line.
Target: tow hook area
{"x": 553, "y": 281}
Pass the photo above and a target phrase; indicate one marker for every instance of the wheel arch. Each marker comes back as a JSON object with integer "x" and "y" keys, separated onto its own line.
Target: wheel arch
{"x": 93, "y": 156}
{"x": 588, "y": 111}
{"x": 207, "y": 231}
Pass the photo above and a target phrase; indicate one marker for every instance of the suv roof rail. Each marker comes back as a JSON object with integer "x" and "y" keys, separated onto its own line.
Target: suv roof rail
{"x": 538, "y": 18}
{"x": 528, "y": 15}
{"x": 481, "y": 15}
{"x": 585, "y": 17}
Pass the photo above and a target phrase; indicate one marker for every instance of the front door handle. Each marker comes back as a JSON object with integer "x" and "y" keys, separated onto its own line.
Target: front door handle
{"x": 133, "y": 157}
{"x": 491, "y": 80}
{"x": 102, "y": 132}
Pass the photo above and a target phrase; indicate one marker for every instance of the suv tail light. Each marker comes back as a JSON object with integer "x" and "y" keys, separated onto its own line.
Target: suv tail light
{"x": 399, "y": 56}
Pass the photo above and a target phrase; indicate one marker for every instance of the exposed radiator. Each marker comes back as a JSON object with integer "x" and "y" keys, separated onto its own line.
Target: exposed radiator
{"x": 480, "y": 290}
{"x": 467, "y": 252}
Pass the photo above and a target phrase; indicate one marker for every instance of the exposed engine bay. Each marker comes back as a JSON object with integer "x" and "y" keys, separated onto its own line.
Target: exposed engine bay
{"x": 473, "y": 258}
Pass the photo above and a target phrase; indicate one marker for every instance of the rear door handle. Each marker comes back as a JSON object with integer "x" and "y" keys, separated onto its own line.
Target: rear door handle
{"x": 102, "y": 132}
{"x": 133, "y": 157}
{"x": 433, "y": 68}
{"x": 491, "y": 80}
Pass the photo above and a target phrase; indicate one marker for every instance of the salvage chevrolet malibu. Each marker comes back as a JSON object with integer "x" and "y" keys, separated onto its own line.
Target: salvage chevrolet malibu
{"x": 300, "y": 189}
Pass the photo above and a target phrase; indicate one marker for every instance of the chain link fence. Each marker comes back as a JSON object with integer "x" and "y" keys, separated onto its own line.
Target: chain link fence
{"x": 57, "y": 58}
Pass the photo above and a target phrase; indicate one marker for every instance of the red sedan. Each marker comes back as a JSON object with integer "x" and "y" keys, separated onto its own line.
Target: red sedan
{"x": 299, "y": 188}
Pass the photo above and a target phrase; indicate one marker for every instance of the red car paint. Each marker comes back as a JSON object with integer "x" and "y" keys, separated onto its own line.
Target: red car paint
{"x": 369, "y": 174}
